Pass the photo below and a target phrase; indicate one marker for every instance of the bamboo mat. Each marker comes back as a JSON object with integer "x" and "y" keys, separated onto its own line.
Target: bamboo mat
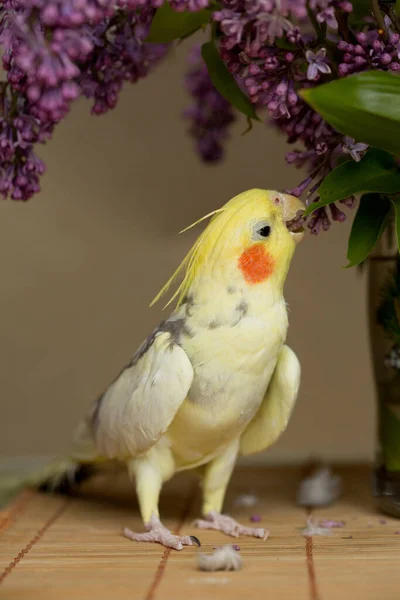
{"x": 56, "y": 548}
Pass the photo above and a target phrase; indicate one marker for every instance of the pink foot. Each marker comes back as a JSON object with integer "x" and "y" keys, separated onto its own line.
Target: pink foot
{"x": 229, "y": 526}
{"x": 158, "y": 533}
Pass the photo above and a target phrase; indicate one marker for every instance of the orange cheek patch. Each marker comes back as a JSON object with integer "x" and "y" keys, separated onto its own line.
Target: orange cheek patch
{"x": 256, "y": 264}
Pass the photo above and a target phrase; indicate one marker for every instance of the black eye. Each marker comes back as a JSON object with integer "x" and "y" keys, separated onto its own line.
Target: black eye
{"x": 264, "y": 232}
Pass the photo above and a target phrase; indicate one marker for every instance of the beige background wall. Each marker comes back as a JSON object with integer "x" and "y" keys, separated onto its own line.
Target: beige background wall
{"x": 80, "y": 263}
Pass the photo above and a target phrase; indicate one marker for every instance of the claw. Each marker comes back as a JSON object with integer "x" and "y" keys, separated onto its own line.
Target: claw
{"x": 195, "y": 540}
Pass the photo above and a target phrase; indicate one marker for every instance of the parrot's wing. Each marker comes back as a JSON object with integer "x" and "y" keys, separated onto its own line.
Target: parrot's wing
{"x": 274, "y": 413}
{"x": 139, "y": 406}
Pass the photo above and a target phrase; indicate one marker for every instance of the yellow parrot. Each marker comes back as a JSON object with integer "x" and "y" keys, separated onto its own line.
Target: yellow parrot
{"x": 215, "y": 380}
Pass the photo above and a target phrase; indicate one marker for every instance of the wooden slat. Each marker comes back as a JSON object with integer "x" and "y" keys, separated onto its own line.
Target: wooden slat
{"x": 267, "y": 564}
{"x": 52, "y": 547}
{"x": 83, "y": 551}
{"x": 366, "y": 566}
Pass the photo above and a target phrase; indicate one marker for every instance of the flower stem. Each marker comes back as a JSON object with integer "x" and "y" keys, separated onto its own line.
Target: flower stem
{"x": 14, "y": 104}
{"x": 379, "y": 18}
{"x": 331, "y": 48}
{"x": 3, "y": 92}
{"x": 342, "y": 19}
{"x": 315, "y": 23}
{"x": 391, "y": 13}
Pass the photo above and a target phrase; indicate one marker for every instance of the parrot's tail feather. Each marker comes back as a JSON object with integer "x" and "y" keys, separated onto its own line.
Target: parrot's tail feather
{"x": 68, "y": 480}
{"x": 61, "y": 476}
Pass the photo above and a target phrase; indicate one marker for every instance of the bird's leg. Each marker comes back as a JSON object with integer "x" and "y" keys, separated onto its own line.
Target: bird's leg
{"x": 148, "y": 485}
{"x": 158, "y": 533}
{"x": 228, "y": 525}
{"x": 215, "y": 482}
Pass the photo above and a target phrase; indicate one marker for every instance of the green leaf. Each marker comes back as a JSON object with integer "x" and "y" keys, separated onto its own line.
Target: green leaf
{"x": 396, "y": 204}
{"x": 365, "y": 106}
{"x": 389, "y": 426}
{"x": 169, "y": 25}
{"x": 377, "y": 171}
{"x": 361, "y": 9}
{"x": 284, "y": 44}
{"x": 367, "y": 228}
{"x": 224, "y": 81}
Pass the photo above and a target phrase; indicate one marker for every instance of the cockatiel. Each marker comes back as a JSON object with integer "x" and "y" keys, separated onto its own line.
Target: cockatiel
{"x": 215, "y": 380}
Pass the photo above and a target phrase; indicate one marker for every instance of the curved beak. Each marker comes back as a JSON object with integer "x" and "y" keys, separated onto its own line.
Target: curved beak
{"x": 292, "y": 209}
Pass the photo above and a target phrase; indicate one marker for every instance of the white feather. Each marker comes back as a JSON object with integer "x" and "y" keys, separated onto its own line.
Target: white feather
{"x": 313, "y": 528}
{"x": 246, "y": 500}
{"x": 223, "y": 559}
{"x": 319, "y": 489}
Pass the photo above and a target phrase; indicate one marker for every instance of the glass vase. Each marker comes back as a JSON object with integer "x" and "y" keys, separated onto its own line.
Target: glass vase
{"x": 384, "y": 327}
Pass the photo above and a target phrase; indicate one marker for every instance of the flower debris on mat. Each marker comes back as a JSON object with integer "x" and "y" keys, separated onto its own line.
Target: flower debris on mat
{"x": 234, "y": 546}
{"x": 246, "y": 500}
{"x": 255, "y": 518}
{"x": 397, "y": 532}
{"x": 314, "y": 528}
{"x": 382, "y": 521}
{"x": 222, "y": 559}
{"x": 329, "y": 523}
{"x": 319, "y": 489}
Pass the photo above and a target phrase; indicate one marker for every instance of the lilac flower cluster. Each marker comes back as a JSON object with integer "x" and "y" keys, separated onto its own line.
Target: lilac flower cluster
{"x": 253, "y": 23}
{"x": 54, "y": 51}
{"x": 323, "y": 148}
{"x": 269, "y": 79}
{"x": 120, "y": 55}
{"x": 272, "y": 73}
{"x": 276, "y": 47}
{"x": 43, "y": 45}
{"x": 20, "y": 168}
{"x": 189, "y": 5}
{"x": 370, "y": 52}
{"x": 210, "y": 114}
{"x": 326, "y": 10}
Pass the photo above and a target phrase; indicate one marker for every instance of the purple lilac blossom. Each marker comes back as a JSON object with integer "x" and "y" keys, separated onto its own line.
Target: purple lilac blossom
{"x": 370, "y": 52}
{"x": 120, "y": 54}
{"x": 257, "y": 22}
{"x": 210, "y": 114}
{"x": 41, "y": 60}
{"x": 316, "y": 64}
{"x": 255, "y": 518}
{"x": 42, "y": 45}
{"x": 52, "y": 52}
{"x": 353, "y": 148}
{"x": 189, "y": 5}
{"x": 272, "y": 74}
{"x": 325, "y": 10}
{"x": 20, "y": 168}
{"x": 271, "y": 77}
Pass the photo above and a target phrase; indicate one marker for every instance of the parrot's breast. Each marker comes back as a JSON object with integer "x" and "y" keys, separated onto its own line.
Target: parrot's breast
{"x": 233, "y": 365}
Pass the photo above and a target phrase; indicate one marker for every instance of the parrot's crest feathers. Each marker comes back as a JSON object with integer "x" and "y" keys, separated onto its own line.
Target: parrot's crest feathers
{"x": 211, "y": 214}
{"x": 189, "y": 262}
{"x": 185, "y": 263}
